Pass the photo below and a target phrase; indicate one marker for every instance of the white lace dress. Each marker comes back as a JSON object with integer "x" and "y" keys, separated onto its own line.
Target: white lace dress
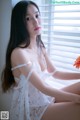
{"x": 28, "y": 103}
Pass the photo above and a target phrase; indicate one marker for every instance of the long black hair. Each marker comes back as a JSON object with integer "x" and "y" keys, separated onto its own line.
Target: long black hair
{"x": 18, "y": 35}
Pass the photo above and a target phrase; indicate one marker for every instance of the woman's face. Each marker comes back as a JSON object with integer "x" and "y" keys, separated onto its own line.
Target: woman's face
{"x": 33, "y": 21}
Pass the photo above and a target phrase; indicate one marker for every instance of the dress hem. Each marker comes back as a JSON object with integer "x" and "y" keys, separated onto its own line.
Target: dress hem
{"x": 46, "y": 108}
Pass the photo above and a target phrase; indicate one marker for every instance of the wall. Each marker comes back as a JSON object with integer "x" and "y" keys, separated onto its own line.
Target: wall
{"x": 5, "y": 13}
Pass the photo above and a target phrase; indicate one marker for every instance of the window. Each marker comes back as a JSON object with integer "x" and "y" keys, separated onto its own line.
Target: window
{"x": 61, "y": 31}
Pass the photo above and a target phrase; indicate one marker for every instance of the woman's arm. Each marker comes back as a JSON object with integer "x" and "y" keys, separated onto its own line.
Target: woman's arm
{"x": 19, "y": 57}
{"x": 66, "y": 75}
{"x": 59, "y": 95}
{"x": 59, "y": 74}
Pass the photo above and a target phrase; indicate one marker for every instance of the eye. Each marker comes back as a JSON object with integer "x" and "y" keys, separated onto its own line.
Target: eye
{"x": 27, "y": 18}
{"x": 37, "y": 15}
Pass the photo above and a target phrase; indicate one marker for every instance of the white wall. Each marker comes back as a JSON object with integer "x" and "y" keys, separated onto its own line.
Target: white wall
{"x": 5, "y": 14}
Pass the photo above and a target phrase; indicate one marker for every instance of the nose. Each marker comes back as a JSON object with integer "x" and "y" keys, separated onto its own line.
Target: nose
{"x": 35, "y": 21}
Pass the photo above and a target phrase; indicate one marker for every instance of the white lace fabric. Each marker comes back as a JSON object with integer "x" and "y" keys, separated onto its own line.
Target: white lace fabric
{"x": 28, "y": 103}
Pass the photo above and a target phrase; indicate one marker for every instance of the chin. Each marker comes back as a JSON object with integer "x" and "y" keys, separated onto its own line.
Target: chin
{"x": 38, "y": 33}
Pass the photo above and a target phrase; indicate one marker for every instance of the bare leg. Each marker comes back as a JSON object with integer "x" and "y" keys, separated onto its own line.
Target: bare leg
{"x": 62, "y": 111}
{"x": 74, "y": 88}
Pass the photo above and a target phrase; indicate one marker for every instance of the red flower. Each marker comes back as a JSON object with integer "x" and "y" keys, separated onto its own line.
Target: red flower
{"x": 77, "y": 63}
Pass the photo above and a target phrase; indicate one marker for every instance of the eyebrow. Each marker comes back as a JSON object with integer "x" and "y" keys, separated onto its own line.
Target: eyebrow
{"x": 34, "y": 13}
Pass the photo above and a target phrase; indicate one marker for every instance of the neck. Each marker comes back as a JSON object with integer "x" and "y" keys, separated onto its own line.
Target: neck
{"x": 33, "y": 44}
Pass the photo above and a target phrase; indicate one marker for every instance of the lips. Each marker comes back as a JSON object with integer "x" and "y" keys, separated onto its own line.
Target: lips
{"x": 37, "y": 28}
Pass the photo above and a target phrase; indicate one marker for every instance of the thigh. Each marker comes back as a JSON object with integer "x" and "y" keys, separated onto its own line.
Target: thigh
{"x": 74, "y": 88}
{"x": 62, "y": 111}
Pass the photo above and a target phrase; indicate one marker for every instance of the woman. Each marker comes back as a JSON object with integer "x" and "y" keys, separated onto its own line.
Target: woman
{"x": 28, "y": 66}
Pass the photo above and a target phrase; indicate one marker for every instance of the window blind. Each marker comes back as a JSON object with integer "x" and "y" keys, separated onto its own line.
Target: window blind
{"x": 61, "y": 31}
{"x": 65, "y": 35}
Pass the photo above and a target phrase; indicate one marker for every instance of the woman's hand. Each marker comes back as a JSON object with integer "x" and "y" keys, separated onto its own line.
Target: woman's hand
{"x": 70, "y": 97}
{"x": 75, "y": 98}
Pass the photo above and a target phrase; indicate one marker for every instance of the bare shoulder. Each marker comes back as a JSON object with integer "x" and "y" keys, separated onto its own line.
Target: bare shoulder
{"x": 17, "y": 52}
{"x": 19, "y": 55}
